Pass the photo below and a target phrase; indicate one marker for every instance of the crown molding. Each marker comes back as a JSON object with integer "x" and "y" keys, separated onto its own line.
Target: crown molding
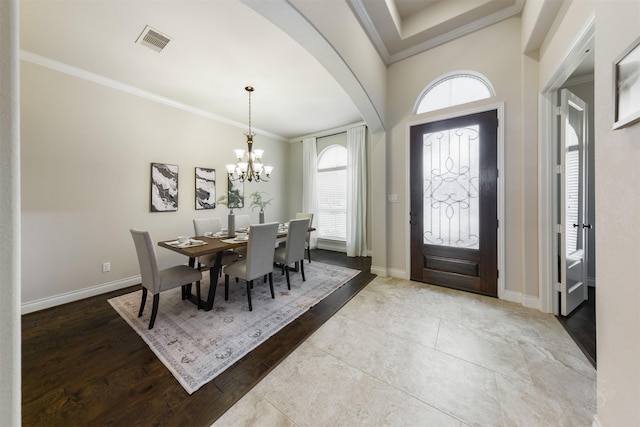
{"x": 123, "y": 87}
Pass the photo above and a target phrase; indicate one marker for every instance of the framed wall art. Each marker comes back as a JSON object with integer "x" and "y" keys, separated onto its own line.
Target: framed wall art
{"x": 164, "y": 187}
{"x": 626, "y": 86}
{"x": 235, "y": 193}
{"x": 205, "y": 188}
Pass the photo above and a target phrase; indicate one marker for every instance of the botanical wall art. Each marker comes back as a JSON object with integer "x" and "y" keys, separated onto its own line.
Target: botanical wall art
{"x": 164, "y": 187}
{"x": 626, "y": 86}
{"x": 205, "y": 188}
{"x": 236, "y": 193}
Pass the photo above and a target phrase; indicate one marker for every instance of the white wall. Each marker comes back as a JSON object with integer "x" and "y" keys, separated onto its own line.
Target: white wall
{"x": 617, "y": 155}
{"x": 503, "y": 67}
{"x": 86, "y": 154}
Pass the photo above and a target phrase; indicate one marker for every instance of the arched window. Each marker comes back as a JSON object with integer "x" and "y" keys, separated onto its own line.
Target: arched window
{"x": 452, "y": 89}
{"x": 332, "y": 193}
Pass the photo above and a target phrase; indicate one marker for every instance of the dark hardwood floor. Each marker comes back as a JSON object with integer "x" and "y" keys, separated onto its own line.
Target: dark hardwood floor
{"x": 83, "y": 365}
{"x": 581, "y": 325}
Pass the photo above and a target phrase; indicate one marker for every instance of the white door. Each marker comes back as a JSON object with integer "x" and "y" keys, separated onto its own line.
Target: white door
{"x": 572, "y": 183}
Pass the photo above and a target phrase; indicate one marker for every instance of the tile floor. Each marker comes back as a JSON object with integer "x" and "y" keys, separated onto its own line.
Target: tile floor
{"x": 403, "y": 353}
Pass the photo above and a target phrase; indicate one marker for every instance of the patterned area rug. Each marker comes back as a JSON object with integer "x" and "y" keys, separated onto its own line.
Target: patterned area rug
{"x": 196, "y": 346}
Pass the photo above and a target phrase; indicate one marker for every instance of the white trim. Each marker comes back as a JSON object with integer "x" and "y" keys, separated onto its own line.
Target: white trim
{"x": 524, "y": 300}
{"x": 332, "y": 245}
{"x": 447, "y": 76}
{"x": 328, "y": 132}
{"x": 379, "y": 271}
{"x": 499, "y": 107}
{"x": 596, "y": 421}
{"x": 41, "y": 304}
{"x": 547, "y": 199}
{"x": 370, "y": 28}
{"x": 123, "y": 87}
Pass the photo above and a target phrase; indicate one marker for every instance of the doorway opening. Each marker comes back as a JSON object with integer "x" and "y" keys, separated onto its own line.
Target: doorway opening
{"x": 567, "y": 232}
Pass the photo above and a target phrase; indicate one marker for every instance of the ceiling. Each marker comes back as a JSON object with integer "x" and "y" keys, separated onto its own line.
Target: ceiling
{"x": 219, "y": 47}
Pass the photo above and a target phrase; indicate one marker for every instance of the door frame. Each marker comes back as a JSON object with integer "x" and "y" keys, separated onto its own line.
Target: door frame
{"x": 547, "y": 155}
{"x": 499, "y": 108}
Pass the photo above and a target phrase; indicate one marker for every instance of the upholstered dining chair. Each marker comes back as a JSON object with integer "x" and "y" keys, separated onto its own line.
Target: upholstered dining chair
{"x": 156, "y": 280}
{"x": 258, "y": 261}
{"x": 293, "y": 250}
{"x": 212, "y": 225}
{"x": 308, "y": 242}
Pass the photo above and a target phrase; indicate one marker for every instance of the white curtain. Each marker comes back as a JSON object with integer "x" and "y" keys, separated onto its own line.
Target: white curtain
{"x": 310, "y": 183}
{"x": 356, "y": 192}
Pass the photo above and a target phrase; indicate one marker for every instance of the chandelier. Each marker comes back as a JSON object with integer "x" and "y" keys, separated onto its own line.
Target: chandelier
{"x": 249, "y": 166}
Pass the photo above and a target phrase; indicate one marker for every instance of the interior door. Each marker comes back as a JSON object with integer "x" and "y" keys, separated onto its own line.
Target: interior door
{"x": 572, "y": 238}
{"x": 453, "y": 215}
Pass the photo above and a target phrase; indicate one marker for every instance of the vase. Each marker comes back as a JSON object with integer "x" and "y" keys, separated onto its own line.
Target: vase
{"x": 231, "y": 225}
{"x": 261, "y": 216}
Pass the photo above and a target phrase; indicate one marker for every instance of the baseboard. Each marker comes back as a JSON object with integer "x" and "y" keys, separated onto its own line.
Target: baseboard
{"x": 379, "y": 271}
{"x": 524, "y": 300}
{"x": 41, "y": 304}
{"x": 596, "y": 421}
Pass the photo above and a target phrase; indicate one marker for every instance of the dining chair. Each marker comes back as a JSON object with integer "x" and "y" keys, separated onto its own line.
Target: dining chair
{"x": 308, "y": 242}
{"x": 213, "y": 225}
{"x": 293, "y": 250}
{"x": 156, "y": 280}
{"x": 258, "y": 261}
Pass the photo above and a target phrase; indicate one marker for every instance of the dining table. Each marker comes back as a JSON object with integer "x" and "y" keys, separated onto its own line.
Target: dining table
{"x": 216, "y": 243}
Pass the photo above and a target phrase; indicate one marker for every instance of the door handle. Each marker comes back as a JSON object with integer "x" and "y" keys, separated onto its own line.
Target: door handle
{"x": 587, "y": 226}
{"x": 576, "y": 225}
{"x": 411, "y": 220}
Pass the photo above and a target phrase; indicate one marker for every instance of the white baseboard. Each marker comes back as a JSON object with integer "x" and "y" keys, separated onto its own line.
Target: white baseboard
{"x": 596, "y": 421}
{"x": 525, "y": 300}
{"x": 379, "y": 271}
{"x": 41, "y": 304}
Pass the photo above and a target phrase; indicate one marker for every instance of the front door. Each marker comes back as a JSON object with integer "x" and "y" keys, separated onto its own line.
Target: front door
{"x": 573, "y": 160}
{"x": 454, "y": 186}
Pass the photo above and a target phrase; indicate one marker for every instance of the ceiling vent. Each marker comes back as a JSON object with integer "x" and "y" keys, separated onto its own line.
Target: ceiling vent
{"x": 153, "y": 39}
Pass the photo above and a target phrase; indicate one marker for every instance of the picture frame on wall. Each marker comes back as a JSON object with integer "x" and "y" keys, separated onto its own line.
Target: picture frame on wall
{"x": 626, "y": 86}
{"x": 164, "y": 187}
{"x": 205, "y": 188}
{"x": 235, "y": 194}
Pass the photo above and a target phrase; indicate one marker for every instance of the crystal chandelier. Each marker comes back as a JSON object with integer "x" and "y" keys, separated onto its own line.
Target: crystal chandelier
{"x": 249, "y": 165}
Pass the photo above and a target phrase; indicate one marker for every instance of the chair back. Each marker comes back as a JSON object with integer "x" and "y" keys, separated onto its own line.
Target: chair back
{"x": 260, "y": 249}
{"x": 305, "y": 215}
{"x": 147, "y": 260}
{"x": 204, "y": 225}
{"x": 242, "y": 221}
{"x": 296, "y": 238}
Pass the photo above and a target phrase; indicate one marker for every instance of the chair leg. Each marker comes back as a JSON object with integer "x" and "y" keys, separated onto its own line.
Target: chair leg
{"x": 143, "y": 301}
{"x": 249, "y": 286}
{"x": 154, "y": 311}
{"x": 302, "y": 269}
{"x": 273, "y": 296}
{"x": 286, "y": 271}
{"x": 198, "y": 293}
{"x": 184, "y": 292}
{"x": 226, "y": 287}
{"x": 309, "y": 253}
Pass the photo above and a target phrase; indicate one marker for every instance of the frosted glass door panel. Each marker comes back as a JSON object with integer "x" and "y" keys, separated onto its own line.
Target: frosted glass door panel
{"x": 451, "y": 175}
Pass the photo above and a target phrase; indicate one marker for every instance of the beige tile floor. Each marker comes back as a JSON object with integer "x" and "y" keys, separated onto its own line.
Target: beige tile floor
{"x": 403, "y": 353}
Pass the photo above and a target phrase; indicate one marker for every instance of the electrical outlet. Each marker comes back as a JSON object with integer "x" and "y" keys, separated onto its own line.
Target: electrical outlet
{"x": 106, "y": 267}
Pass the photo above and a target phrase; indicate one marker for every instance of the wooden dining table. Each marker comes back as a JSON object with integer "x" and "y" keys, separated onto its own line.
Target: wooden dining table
{"x": 212, "y": 245}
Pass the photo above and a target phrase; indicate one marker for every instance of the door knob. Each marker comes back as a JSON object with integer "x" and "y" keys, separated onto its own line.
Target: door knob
{"x": 586, "y": 226}
{"x": 576, "y": 225}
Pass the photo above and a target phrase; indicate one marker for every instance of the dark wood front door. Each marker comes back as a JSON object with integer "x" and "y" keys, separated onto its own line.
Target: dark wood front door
{"x": 454, "y": 188}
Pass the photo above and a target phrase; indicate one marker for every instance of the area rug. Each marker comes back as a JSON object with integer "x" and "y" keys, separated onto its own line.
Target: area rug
{"x": 197, "y": 345}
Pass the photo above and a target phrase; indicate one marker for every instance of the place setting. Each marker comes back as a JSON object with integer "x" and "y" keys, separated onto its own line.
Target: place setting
{"x": 186, "y": 242}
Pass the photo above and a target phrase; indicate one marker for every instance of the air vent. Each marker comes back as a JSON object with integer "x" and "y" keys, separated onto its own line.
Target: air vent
{"x": 153, "y": 39}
